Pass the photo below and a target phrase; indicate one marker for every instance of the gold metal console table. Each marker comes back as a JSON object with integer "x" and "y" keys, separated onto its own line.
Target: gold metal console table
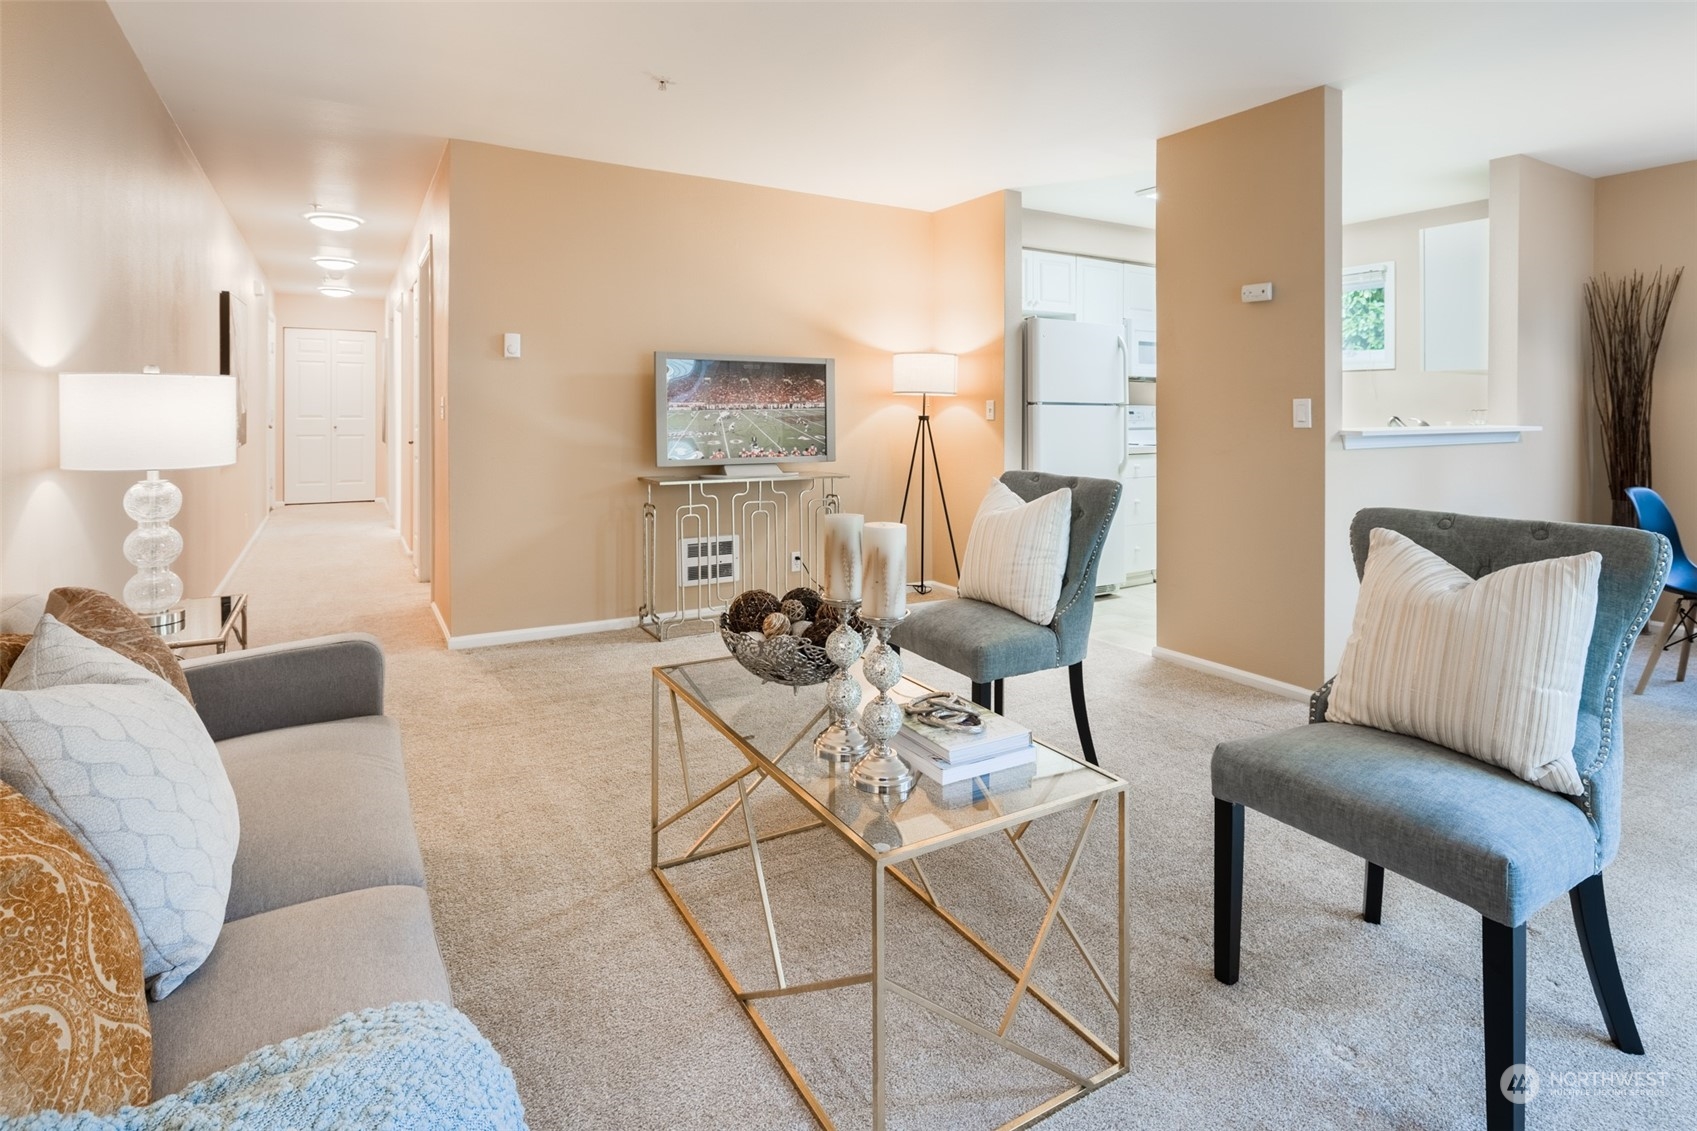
{"x": 733, "y": 533}
{"x": 771, "y": 728}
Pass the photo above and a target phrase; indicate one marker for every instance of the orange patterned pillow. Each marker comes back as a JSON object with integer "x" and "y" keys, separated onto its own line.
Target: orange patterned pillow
{"x": 74, "y": 1032}
{"x": 110, "y": 623}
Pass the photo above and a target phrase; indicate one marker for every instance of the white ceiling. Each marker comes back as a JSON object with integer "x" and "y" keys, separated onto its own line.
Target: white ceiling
{"x": 918, "y": 105}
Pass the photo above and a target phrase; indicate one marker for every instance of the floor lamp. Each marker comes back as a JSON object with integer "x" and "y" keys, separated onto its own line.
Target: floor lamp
{"x": 146, "y": 422}
{"x": 926, "y": 375}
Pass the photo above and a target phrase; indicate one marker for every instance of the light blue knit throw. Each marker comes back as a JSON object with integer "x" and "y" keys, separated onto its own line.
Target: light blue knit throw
{"x": 405, "y": 1067}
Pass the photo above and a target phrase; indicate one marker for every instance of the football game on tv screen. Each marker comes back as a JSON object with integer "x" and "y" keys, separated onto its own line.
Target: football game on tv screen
{"x": 728, "y": 410}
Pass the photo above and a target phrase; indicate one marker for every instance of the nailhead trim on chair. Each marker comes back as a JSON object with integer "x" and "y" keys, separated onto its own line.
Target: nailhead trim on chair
{"x": 1611, "y": 693}
{"x": 1090, "y": 558}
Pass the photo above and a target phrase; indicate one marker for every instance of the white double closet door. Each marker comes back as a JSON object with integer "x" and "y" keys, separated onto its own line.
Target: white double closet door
{"x": 329, "y": 416}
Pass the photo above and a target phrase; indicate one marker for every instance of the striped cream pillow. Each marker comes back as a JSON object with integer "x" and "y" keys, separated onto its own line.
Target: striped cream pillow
{"x": 1491, "y": 667}
{"x": 1016, "y": 555}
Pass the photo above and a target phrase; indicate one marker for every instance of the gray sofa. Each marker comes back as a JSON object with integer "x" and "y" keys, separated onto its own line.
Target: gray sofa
{"x": 327, "y": 909}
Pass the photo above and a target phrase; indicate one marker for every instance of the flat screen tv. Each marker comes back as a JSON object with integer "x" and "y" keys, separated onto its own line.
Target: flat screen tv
{"x": 719, "y": 410}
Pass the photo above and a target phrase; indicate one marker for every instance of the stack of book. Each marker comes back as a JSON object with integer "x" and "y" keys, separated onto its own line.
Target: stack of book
{"x": 1002, "y": 753}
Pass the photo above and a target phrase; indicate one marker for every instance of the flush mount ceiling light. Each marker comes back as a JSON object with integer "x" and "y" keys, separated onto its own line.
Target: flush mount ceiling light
{"x": 1147, "y": 193}
{"x": 332, "y": 221}
{"x": 334, "y": 288}
{"x": 335, "y": 263}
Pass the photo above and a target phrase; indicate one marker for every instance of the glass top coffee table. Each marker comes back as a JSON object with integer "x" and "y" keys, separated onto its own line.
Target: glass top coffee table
{"x": 770, "y": 728}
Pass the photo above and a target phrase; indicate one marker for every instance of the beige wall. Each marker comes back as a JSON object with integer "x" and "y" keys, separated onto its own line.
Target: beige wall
{"x": 1074, "y": 235}
{"x": 1242, "y": 495}
{"x": 968, "y": 320}
{"x": 1541, "y": 222}
{"x": 320, "y": 312}
{"x": 317, "y": 312}
{"x": 1647, "y": 220}
{"x": 429, "y": 237}
{"x": 1373, "y": 396}
{"x": 598, "y": 266}
{"x": 115, "y": 249}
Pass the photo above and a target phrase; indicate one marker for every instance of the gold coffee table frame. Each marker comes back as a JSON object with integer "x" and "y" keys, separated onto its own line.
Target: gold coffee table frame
{"x": 1011, "y": 814}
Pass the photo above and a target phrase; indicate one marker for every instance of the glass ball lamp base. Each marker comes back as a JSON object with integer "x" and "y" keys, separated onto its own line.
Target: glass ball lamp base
{"x": 152, "y": 547}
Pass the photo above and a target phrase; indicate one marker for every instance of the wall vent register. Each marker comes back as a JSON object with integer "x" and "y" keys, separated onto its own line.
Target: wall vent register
{"x": 702, "y": 561}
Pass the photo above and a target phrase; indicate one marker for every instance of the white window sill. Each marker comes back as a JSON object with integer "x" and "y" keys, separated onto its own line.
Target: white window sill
{"x": 1419, "y": 437}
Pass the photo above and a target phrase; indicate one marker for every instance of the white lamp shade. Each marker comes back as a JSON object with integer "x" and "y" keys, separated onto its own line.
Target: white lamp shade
{"x": 145, "y": 421}
{"x": 933, "y": 374}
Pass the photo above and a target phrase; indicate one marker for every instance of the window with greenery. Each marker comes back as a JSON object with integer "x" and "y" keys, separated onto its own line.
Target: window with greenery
{"x": 1369, "y": 316}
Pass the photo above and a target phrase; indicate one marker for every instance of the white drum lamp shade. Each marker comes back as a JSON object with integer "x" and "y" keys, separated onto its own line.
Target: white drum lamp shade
{"x": 145, "y": 421}
{"x": 926, "y": 374}
{"x": 148, "y": 422}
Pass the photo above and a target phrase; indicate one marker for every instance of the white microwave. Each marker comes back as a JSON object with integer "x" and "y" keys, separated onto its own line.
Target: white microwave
{"x": 1140, "y": 346}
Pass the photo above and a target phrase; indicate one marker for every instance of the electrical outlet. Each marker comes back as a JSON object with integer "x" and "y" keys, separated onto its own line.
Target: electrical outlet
{"x": 795, "y": 561}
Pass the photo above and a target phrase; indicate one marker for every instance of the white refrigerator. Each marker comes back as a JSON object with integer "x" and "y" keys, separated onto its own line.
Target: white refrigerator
{"x": 1075, "y": 413}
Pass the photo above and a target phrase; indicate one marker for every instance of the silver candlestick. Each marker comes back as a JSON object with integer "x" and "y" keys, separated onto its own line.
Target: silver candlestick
{"x": 882, "y": 771}
{"x": 841, "y": 744}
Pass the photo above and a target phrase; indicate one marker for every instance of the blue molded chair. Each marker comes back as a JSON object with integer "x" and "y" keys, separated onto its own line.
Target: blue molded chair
{"x": 987, "y": 643}
{"x": 1653, "y": 515}
{"x": 1463, "y": 828}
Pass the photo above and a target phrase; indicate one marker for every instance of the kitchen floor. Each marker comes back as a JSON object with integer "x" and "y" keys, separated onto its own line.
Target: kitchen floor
{"x": 1126, "y": 618}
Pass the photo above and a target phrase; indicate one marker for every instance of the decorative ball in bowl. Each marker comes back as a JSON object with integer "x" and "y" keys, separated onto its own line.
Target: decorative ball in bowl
{"x": 761, "y": 631}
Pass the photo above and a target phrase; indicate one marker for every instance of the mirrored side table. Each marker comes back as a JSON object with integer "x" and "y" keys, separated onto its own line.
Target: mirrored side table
{"x": 209, "y": 622}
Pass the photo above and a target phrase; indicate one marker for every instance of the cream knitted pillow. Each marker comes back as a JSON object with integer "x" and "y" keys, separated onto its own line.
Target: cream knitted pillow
{"x": 1016, "y": 555}
{"x": 1490, "y": 668}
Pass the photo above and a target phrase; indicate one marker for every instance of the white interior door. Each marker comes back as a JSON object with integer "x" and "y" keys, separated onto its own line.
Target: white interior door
{"x": 329, "y": 415}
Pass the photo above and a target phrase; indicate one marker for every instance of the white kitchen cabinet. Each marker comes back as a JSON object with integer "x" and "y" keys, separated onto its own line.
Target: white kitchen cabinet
{"x": 1051, "y": 282}
{"x": 1101, "y": 290}
{"x": 1137, "y": 515}
{"x": 1139, "y": 288}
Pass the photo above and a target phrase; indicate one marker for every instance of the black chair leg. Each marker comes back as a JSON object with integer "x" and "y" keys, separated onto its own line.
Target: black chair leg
{"x": 1591, "y": 919}
{"x": 1373, "y": 903}
{"x": 1228, "y": 889}
{"x": 981, "y": 695}
{"x": 1000, "y": 708}
{"x": 1504, "y": 969}
{"x": 1080, "y": 715}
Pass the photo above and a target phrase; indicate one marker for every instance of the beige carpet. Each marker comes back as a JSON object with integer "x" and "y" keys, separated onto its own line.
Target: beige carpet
{"x": 529, "y": 774}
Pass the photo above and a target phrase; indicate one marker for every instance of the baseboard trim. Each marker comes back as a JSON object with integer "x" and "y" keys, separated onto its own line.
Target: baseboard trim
{"x": 218, "y": 590}
{"x": 447, "y": 637}
{"x": 1236, "y": 675}
{"x": 528, "y": 635}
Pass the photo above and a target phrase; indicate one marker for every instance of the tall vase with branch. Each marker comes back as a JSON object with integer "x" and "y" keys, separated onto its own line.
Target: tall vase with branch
{"x": 1627, "y": 318}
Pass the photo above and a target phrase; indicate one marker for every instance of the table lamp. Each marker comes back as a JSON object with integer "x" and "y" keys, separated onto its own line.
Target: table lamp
{"x": 926, "y": 375}
{"x": 148, "y": 421}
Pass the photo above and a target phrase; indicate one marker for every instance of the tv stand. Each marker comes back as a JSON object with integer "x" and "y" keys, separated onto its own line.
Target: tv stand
{"x": 746, "y": 529}
{"x": 750, "y": 471}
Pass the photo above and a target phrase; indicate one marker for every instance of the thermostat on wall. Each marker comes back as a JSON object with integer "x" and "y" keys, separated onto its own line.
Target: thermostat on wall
{"x": 1257, "y": 292}
{"x": 509, "y": 345}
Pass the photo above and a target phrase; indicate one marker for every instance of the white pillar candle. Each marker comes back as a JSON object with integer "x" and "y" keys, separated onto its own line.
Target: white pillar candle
{"x": 842, "y": 556}
{"x": 886, "y": 570}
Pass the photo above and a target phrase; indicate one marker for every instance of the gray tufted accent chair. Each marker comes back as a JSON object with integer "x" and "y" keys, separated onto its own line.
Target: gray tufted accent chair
{"x": 987, "y": 644}
{"x": 1468, "y": 830}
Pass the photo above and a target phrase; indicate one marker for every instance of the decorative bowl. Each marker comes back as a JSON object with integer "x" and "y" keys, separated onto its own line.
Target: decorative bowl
{"x": 788, "y": 660}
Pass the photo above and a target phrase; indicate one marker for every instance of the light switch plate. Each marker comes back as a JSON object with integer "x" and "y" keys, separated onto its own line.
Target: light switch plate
{"x": 989, "y": 410}
{"x": 1257, "y": 292}
{"x": 1302, "y": 413}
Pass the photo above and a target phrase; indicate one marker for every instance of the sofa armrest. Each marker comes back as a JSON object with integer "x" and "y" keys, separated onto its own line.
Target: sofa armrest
{"x": 285, "y": 685}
